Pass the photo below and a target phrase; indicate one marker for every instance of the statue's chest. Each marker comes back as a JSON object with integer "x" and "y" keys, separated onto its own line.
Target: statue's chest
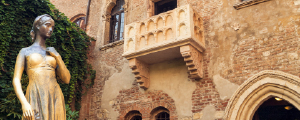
{"x": 36, "y": 60}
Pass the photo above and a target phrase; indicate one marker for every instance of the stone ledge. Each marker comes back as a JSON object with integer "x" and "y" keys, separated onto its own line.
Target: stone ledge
{"x": 111, "y": 45}
{"x": 248, "y": 3}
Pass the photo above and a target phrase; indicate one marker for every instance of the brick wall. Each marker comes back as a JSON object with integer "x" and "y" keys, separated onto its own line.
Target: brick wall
{"x": 133, "y": 99}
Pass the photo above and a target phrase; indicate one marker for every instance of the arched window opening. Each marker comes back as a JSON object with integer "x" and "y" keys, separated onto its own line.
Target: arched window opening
{"x": 164, "y": 6}
{"x": 117, "y": 22}
{"x": 276, "y": 109}
{"x": 160, "y": 113}
{"x": 162, "y": 116}
{"x": 137, "y": 117}
{"x": 133, "y": 115}
{"x": 80, "y": 22}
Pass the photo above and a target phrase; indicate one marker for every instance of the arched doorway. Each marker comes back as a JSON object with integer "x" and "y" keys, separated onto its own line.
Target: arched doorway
{"x": 276, "y": 109}
{"x": 259, "y": 89}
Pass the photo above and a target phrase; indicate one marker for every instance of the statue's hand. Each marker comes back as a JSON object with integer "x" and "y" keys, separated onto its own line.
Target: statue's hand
{"x": 52, "y": 51}
{"x": 28, "y": 113}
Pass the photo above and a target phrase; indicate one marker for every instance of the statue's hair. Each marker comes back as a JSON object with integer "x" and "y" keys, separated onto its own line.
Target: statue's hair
{"x": 37, "y": 22}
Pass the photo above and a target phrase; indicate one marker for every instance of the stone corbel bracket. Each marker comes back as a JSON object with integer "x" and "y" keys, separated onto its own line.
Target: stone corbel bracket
{"x": 192, "y": 57}
{"x": 194, "y": 61}
{"x": 141, "y": 72}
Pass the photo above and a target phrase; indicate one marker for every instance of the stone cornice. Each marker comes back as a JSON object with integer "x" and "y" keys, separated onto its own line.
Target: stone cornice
{"x": 248, "y": 3}
{"x": 111, "y": 45}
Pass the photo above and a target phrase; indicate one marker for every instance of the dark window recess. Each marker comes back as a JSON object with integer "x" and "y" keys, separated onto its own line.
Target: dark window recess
{"x": 80, "y": 22}
{"x": 136, "y": 118}
{"x": 164, "y": 6}
{"x": 117, "y": 22}
{"x": 276, "y": 109}
{"x": 162, "y": 116}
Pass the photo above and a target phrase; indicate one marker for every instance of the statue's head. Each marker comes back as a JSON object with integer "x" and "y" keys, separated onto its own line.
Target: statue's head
{"x": 42, "y": 25}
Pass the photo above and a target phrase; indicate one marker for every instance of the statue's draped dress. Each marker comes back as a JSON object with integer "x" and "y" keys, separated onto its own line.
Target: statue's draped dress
{"x": 43, "y": 92}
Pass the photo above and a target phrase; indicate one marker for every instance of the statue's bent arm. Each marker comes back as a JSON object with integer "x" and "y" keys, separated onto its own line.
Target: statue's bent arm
{"x": 62, "y": 70}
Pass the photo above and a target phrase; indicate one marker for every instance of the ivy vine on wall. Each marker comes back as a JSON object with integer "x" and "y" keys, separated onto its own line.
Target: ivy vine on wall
{"x": 16, "y": 18}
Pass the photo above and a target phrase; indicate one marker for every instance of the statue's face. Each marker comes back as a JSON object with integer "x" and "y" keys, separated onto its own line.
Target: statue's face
{"x": 47, "y": 26}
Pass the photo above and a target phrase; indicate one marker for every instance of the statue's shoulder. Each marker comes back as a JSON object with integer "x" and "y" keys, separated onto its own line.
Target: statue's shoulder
{"x": 50, "y": 48}
{"x": 23, "y": 50}
{"x": 27, "y": 50}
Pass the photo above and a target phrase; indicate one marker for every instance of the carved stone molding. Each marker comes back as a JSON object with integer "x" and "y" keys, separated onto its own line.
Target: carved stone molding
{"x": 111, "y": 45}
{"x": 106, "y": 17}
{"x": 125, "y": 6}
{"x": 107, "y": 11}
{"x": 248, "y": 3}
{"x": 141, "y": 72}
{"x": 259, "y": 88}
{"x": 77, "y": 16}
{"x": 194, "y": 61}
{"x": 150, "y": 8}
{"x": 173, "y": 28}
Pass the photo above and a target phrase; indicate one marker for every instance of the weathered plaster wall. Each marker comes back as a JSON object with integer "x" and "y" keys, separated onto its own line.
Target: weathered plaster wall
{"x": 119, "y": 81}
{"x": 94, "y": 20}
{"x": 108, "y": 64}
{"x": 208, "y": 113}
{"x": 246, "y": 41}
{"x": 137, "y": 10}
{"x": 172, "y": 78}
{"x": 71, "y": 7}
{"x": 224, "y": 87}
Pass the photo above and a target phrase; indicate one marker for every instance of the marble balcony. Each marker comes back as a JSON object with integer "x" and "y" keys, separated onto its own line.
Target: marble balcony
{"x": 166, "y": 36}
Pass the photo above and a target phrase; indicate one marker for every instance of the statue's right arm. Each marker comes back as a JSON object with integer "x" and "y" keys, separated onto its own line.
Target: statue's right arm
{"x": 19, "y": 68}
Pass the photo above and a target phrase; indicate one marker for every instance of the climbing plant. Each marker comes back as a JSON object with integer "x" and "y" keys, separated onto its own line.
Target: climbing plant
{"x": 16, "y": 18}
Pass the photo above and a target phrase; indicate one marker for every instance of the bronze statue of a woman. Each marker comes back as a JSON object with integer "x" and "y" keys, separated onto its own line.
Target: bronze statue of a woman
{"x": 44, "y": 99}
